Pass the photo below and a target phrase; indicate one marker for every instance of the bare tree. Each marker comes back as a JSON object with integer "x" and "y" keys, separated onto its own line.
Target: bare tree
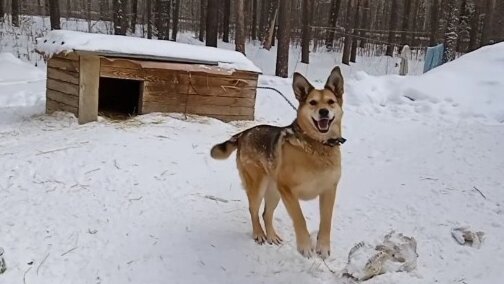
{"x": 270, "y": 31}
{"x": 306, "y": 32}
{"x": 176, "y": 15}
{"x": 392, "y": 27}
{"x": 15, "y": 12}
{"x": 225, "y": 20}
{"x": 240, "y": 26}
{"x": 451, "y": 33}
{"x": 364, "y": 24}
{"x": 434, "y": 11}
{"x": 254, "y": 19}
{"x": 405, "y": 20}
{"x": 2, "y": 12}
{"x": 149, "y": 19}
{"x": 163, "y": 9}
{"x": 356, "y": 22}
{"x": 202, "y": 26}
{"x": 333, "y": 19}
{"x": 348, "y": 39}
{"x": 212, "y": 22}
{"x": 134, "y": 15}
{"x": 282, "y": 62}
{"x": 118, "y": 17}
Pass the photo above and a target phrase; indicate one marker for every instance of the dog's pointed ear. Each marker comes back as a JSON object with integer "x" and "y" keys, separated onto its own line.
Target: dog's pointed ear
{"x": 301, "y": 87}
{"x": 335, "y": 82}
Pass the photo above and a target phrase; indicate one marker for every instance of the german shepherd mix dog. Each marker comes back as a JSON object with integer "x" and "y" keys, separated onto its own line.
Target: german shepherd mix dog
{"x": 299, "y": 161}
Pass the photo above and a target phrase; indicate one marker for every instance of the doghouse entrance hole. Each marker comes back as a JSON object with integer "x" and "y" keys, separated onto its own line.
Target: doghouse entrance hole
{"x": 118, "y": 98}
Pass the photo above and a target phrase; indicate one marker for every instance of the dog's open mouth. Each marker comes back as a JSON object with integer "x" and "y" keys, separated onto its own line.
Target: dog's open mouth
{"x": 323, "y": 124}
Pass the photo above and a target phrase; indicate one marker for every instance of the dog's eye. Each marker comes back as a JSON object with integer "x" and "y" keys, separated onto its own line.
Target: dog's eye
{"x": 313, "y": 103}
{"x": 331, "y": 102}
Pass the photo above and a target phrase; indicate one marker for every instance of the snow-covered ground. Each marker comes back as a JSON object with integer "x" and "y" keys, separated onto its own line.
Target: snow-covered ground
{"x": 141, "y": 201}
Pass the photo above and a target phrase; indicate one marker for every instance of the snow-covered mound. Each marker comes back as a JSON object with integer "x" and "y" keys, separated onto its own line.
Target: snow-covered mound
{"x": 470, "y": 87}
{"x": 13, "y": 70}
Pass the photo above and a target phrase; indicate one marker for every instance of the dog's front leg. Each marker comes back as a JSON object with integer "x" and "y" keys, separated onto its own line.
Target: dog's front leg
{"x": 326, "y": 203}
{"x": 293, "y": 207}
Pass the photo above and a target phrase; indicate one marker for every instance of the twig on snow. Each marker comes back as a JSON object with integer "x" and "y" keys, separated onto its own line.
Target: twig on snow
{"x": 26, "y": 272}
{"x": 135, "y": 199}
{"x": 115, "y": 165}
{"x": 56, "y": 150}
{"x": 332, "y": 271}
{"x": 88, "y": 172}
{"x": 477, "y": 189}
{"x": 69, "y": 251}
{"x": 211, "y": 197}
{"x": 42, "y": 262}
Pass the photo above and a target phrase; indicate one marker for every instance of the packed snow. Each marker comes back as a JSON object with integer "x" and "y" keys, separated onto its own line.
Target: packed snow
{"x": 141, "y": 201}
{"x": 63, "y": 41}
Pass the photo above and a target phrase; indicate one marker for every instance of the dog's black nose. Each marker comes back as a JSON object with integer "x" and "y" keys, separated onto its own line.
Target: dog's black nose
{"x": 323, "y": 112}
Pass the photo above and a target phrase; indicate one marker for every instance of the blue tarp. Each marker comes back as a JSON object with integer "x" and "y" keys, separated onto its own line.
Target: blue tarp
{"x": 433, "y": 57}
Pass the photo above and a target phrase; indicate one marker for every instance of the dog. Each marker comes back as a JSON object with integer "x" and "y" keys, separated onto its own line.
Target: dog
{"x": 296, "y": 162}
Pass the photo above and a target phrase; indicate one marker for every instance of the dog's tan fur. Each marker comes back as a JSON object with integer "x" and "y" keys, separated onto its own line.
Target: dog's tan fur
{"x": 293, "y": 163}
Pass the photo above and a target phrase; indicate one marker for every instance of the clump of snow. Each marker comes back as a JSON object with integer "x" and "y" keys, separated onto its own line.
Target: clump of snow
{"x": 58, "y": 41}
{"x": 464, "y": 236}
{"x": 395, "y": 253}
{"x": 470, "y": 87}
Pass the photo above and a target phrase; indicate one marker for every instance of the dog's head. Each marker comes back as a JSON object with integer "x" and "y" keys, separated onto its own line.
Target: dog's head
{"x": 320, "y": 110}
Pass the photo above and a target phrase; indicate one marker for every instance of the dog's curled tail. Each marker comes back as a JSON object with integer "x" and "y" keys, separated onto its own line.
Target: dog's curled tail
{"x": 223, "y": 150}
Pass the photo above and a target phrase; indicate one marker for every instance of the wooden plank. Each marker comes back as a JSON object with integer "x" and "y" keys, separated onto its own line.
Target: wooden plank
{"x": 219, "y": 110}
{"x": 63, "y": 98}
{"x": 89, "y": 78}
{"x": 220, "y": 101}
{"x": 63, "y": 87}
{"x": 52, "y": 106}
{"x": 61, "y": 75}
{"x": 121, "y": 73}
{"x": 69, "y": 56}
{"x": 63, "y": 64}
{"x": 228, "y": 118}
{"x": 149, "y": 107}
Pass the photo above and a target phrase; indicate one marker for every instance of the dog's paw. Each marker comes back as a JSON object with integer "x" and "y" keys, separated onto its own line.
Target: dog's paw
{"x": 274, "y": 239}
{"x": 305, "y": 248}
{"x": 323, "y": 248}
{"x": 260, "y": 238}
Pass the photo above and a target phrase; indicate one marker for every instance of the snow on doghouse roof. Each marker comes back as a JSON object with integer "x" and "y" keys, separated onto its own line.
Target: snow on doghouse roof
{"x": 58, "y": 41}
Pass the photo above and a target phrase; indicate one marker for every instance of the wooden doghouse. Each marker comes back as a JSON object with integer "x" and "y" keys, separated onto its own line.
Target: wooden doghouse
{"x": 96, "y": 74}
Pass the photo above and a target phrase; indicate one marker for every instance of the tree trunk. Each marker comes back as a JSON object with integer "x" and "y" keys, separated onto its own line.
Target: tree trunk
{"x": 202, "y": 26}
{"x": 118, "y": 19}
{"x": 134, "y": 15}
{"x": 225, "y": 22}
{"x": 333, "y": 19}
{"x": 15, "y": 12}
{"x": 163, "y": 9}
{"x": 282, "y": 61}
{"x": 54, "y": 14}
{"x": 434, "y": 12}
{"x": 348, "y": 39}
{"x": 104, "y": 10}
{"x": 149, "y": 19}
{"x": 487, "y": 23}
{"x": 466, "y": 12}
{"x": 253, "y": 30}
{"x": 451, "y": 33}
{"x": 271, "y": 16}
{"x": 176, "y": 12}
{"x": 405, "y": 21}
{"x": 212, "y": 22}
{"x": 356, "y": 21}
{"x": 240, "y": 26}
{"x": 392, "y": 27}
{"x": 2, "y": 12}
{"x": 475, "y": 27}
{"x": 306, "y": 32}
{"x": 364, "y": 23}
{"x": 263, "y": 19}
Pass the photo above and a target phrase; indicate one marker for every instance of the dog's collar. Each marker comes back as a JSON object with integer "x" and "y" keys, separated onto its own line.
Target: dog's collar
{"x": 331, "y": 142}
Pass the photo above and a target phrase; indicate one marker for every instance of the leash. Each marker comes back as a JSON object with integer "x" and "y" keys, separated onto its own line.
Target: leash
{"x": 280, "y": 93}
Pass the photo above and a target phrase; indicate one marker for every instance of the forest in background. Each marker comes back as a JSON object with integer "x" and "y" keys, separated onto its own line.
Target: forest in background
{"x": 366, "y": 27}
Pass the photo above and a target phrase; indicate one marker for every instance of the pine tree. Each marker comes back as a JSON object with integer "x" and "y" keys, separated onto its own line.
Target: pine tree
{"x": 333, "y": 19}
{"x": 282, "y": 61}
{"x": 451, "y": 33}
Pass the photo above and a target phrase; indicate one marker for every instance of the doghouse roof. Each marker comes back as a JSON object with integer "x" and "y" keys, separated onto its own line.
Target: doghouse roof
{"x": 62, "y": 41}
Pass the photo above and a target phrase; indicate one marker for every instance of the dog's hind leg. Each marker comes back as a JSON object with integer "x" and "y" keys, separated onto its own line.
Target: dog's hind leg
{"x": 271, "y": 199}
{"x": 254, "y": 181}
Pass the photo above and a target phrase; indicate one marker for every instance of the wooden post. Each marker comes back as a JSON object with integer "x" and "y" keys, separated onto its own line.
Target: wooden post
{"x": 89, "y": 80}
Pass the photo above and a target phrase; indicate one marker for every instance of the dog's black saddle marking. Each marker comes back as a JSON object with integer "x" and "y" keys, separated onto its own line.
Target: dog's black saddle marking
{"x": 335, "y": 141}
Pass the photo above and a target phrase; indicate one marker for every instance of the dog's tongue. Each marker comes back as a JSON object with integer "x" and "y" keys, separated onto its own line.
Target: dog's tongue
{"x": 323, "y": 124}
